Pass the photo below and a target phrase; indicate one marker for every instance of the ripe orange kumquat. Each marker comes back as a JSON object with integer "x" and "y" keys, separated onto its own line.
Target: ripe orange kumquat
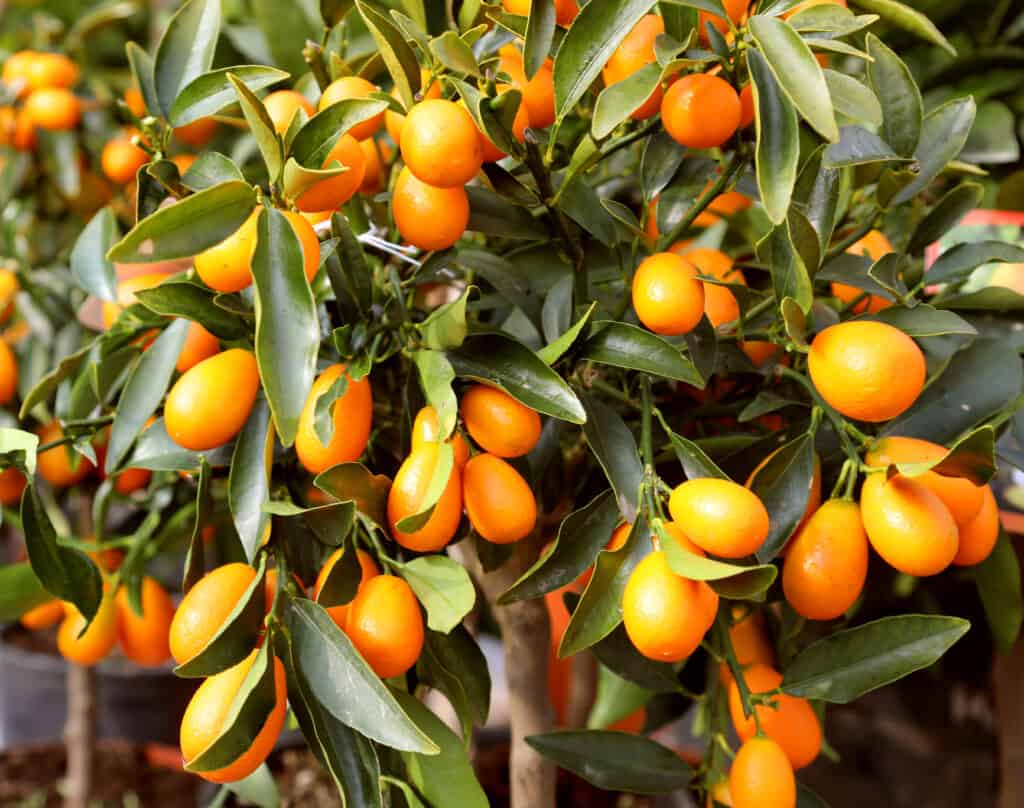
{"x": 720, "y": 516}
{"x": 53, "y": 108}
{"x": 145, "y": 638}
{"x": 55, "y": 465}
{"x": 635, "y": 51}
{"x": 667, "y": 295}
{"x": 333, "y": 192}
{"x": 8, "y": 373}
{"x": 441, "y": 144}
{"x": 353, "y": 419}
{"x": 979, "y": 536}
{"x": 353, "y": 87}
{"x": 205, "y": 607}
{"x": 761, "y": 776}
{"x": 428, "y": 217}
{"x": 386, "y": 625}
{"x": 43, "y": 616}
{"x": 498, "y": 422}
{"x": 125, "y": 297}
{"x": 406, "y": 498}
{"x": 368, "y": 568}
{"x": 282, "y": 105}
{"x": 12, "y": 484}
{"x": 701, "y": 111}
{"x": 425, "y": 429}
{"x": 97, "y": 641}
{"x": 499, "y": 503}
{"x": 199, "y": 344}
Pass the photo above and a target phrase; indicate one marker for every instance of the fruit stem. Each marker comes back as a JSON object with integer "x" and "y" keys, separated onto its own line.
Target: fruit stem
{"x": 646, "y": 442}
{"x": 705, "y": 199}
{"x": 737, "y": 671}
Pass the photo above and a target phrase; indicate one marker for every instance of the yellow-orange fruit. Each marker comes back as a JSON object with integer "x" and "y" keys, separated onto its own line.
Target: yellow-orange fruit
{"x": 353, "y": 87}
{"x": 499, "y": 423}
{"x": 440, "y": 144}
{"x": 667, "y": 295}
{"x": 791, "y": 723}
{"x": 43, "y": 616}
{"x": 701, "y": 111}
{"x": 750, "y": 641}
{"x": 12, "y": 484}
{"x": 427, "y": 217}
{"x": 125, "y": 296}
{"x": 665, "y": 615}
{"x": 212, "y": 400}
{"x": 145, "y": 638}
{"x": 406, "y": 498}
{"x": 53, "y": 108}
{"x": 827, "y": 563}
{"x": 979, "y": 536}
{"x": 735, "y": 9}
{"x": 425, "y": 429}
{"x": 8, "y": 373}
{"x": 538, "y": 92}
{"x": 51, "y": 70}
{"x": 867, "y": 370}
{"x": 720, "y": 304}
{"x": 332, "y": 193}
{"x": 368, "y": 569}
{"x": 209, "y": 710}
{"x": 205, "y": 608}
{"x": 499, "y": 503}
{"x": 198, "y": 133}
{"x": 720, "y": 516}
{"x": 908, "y": 525}
{"x": 761, "y": 776}
{"x": 54, "y": 465}
{"x": 199, "y": 344}
{"x": 121, "y": 159}
{"x": 97, "y": 641}
{"x": 386, "y": 625}
{"x": 962, "y": 497}
{"x": 635, "y": 51}
{"x": 394, "y": 121}
{"x": 353, "y": 419}
{"x": 282, "y": 105}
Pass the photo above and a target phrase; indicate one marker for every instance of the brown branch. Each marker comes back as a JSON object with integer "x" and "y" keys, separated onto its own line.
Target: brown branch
{"x": 80, "y": 735}
{"x": 525, "y": 633}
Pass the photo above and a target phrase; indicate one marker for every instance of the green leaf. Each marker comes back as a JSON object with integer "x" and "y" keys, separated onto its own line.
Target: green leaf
{"x": 285, "y": 31}
{"x": 618, "y": 654}
{"x": 313, "y": 144}
{"x": 342, "y": 582}
{"x": 249, "y": 711}
{"x": 66, "y": 573}
{"x": 896, "y": 90}
{"x": 141, "y": 64}
{"x": 797, "y": 72}
{"x": 324, "y": 655}
{"x": 600, "y": 609}
{"x": 185, "y": 50}
{"x": 495, "y": 215}
{"x": 581, "y": 536}
{"x": 615, "y": 448}
{"x": 20, "y": 590}
{"x": 211, "y": 92}
{"x": 946, "y": 214}
{"x": 909, "y": 19}
{"x": 446, "y": 778}
{"x": 778, "y": 140}
{"x": 353, "y": 482}
{"x": 396, "y": 53}
{"x": 188, "y": 227}
{"x": 436, "y": 377}
{"x": 509, "y": 365}
{"x": 453, "y": 52}
{"x": 616, "y": 699}
{"x": 443, "y": 586}
{"x": 696, "y": 464}
{"x": 249, "y": 479}
{"x": 923, "y": 321}
{"x": 592, "y": 38}
{"x": 237, "y": 635}
{"x": 844, "y": 666}
{"x": 454, "y": 664}
{"x": 615, "y": 761}
{"x": 195, "y": 555}
{"x": 783, "y": 484}
{"x": 354, "y": 271}
{"x": 540, "y": 34}
{"x": 155, "y": 450}
{"x": 732, "y": 581}
{"x": 972, "y": 457}
{"x": 789, "y": 274}
{"x": 620, "y": 100}
{"x": 261, "y": 127}
{"x": 852, "y": 99}
{"x": 998, "y": 581}
{"x": 445, "y": 328}
{"x": 555, "y": 349}
{"x": 958, "y": 262}
{"x": 858, "y": 146}
{"x": 19, "y": 448}
{"x": 210, "y": 168}
{"x": 439, "y": 479}
{"x": 89, "y": 264}
{"x": 991, "y": 298}
{"x": 193, "y": 302}
{"x": 628, "y": 346}
{"x": 144, "y": 391}
{"x": 659, "y": 164}
{"x": 287, "y": 329}
{"x": 977, "y": 383}
{"x": 943, "y": 134}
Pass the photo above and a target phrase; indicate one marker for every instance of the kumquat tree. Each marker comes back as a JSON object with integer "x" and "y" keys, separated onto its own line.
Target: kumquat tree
{"x": 612, "y": 326}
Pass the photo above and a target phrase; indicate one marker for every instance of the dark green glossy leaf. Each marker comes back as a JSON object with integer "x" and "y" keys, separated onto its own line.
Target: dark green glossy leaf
{"x": 616, "y": 103}
{"x": 555, "y": 349}
{"x": 285, "y": 31}
{"x": 615, "y": 761}
{"x": 853, "y": 99}
{"x": 615, "y": 448}
{"x": 141, "y": 64}
{"x": 155, "y": 450}
{"x": 396, "y": 53}
{"x": 661, "y": 159}
{"x": 924, "y": 321}
{"x": 211, "y": 92}
{"x": 445, "y": 328}
{"x": 789, "y": 274}
{"x": 627, "y": 346}
{"x": 844, "y": 666}
{"x": 778, "y": 140}
{"x": 784, "y": 486}
{"x": 192, "y": 302}
{"x": 454, "y": 664}
{"x": 909, "y": 19}
{"x": 495, "y": 215}
{"x": 354, "y": 482}
{"x": 943, "y": 134}
{"x": 540, "y": 34}
{"x": 249, "y": 480}
{"x": 210, "y": 168}
{"x": 946, "y": 214}
{"x": 313, "y": 143}
{"x": 261, "y": 127}
{"x": 896, "y": 90}
{"x": 858, "y": 146}
{"x": 729, "y": 580}
{"x": 185, "y": 50}
{"x": 695, "y": 462}
{"x": 958, "y": 262}
{"x": 89, "y": 264}
{"x": 455, "y": 54}
{"x": 195, "y": 555}
{"x": 998, "y": 580}
{"x": 617, "y": 653}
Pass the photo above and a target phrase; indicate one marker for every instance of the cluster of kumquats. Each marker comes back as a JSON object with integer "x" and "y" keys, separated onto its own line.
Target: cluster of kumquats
{"x": 42, "y": 84}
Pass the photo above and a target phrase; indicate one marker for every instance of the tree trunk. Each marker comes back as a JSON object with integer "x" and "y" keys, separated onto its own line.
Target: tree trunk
{"x": 1009, "y": 671}
{"x": 80, "y": 735}
{"x": 525, "y": 631}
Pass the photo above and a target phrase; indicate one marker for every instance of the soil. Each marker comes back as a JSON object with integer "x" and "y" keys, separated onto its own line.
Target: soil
{"x": 33, "y": 776}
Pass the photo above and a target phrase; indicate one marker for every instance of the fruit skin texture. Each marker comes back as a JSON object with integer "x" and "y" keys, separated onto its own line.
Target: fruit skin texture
{"x": 98, "y": 639}
{"x": 121, "y": 159}
{"x": 979, "y": 536}
{"x": 386, "y": 626}
{"x": 538, "y": 92}
{"x": 211, "y": 401}
{"x": 425, "y": 430}
{"x": 500, "y": 424}
{"x": 428, "y": 217}
{"x": 720, "y": 303}
{"x": 565, "y": 10}
{"x": 199, "y": 344}
{"x": 761, "y": 777}
{"x": 339, "y": 614}
{"x": 908, "y": 525}
{"x": 750, "y": 642}
{"x": 54, "y": 464}
{"x": 635, "y": 51}
{"x": 666, "y": 616}
{"x": 53, "y": 108}
{"x": 827, "y": 563}
{"x": 701, "y": 111}
{"x": 51, "y": 70}
{"x": 406, "y": 498}
{"x": 353, "y": 418}
{"x": 8, "y": 373}
{"x": 440, "y": 143}
{"x": 282, "y": 105}
{"x": 395, "y": 121}
{"x": 227, "y": 267}
{"x": 205, "y": 607}
{"x": 144, "y": 639}
{"x": 209, "y": 709}
{"x": 499, "y": 503}
{"x": 43, "y": 616}
{"x": 962, "y": 497}
{"x": 12, "y": 484}
{"x": 353, "y": 87}
{"x": 792, "y": 723}
{"x": 332, "y": 193}
{"x": 667, "y": 295}
{"x": 198, "y": 133}
{"x": 720, "y": 516}
{"x": 868, "y": 371}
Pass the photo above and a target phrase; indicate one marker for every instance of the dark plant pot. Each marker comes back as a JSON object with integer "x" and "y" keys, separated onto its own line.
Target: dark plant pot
{"x": 133, "y": 703}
